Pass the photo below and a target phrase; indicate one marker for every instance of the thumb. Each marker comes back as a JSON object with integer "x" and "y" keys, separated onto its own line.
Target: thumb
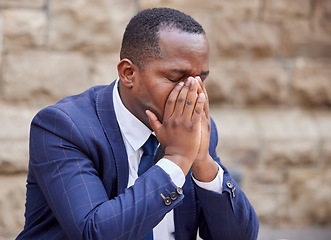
{"x": 155, "y": 123}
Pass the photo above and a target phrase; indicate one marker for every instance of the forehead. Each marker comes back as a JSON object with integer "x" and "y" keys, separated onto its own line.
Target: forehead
{"x": 179, "y": 47}
{"x": 174, "y": 41}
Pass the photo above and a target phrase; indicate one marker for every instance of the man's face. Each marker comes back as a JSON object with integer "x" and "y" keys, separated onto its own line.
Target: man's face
{"x": 182, "y": 55}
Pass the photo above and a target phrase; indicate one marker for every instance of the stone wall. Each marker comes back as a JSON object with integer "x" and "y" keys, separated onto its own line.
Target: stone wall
{"x": 270, "y": 89}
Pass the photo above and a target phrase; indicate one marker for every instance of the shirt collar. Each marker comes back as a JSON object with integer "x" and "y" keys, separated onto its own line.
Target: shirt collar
{"x": 131, "y": 127}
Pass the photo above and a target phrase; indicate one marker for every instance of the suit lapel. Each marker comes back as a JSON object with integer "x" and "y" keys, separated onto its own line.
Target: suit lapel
{"x": 107, "y": 117}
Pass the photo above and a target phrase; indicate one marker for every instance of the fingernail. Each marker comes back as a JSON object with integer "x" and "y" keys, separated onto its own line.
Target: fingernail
{"x": 181, "y": 84}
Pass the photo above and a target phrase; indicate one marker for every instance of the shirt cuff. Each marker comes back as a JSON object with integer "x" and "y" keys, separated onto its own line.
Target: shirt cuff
{"x": 175, "y": 172}
{"x": 215, "y": 185}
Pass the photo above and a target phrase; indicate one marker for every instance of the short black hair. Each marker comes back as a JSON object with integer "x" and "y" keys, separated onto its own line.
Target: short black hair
{"x": 141, "y": 39}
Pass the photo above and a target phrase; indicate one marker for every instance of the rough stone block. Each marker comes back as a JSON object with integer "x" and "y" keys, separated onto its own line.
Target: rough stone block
{"x": 284, "y": 9}
{"x": 238, "y": 144}
{"x": 218, "y": 85}
{"x": 209, "y": 13}
{"x": 238, "y": 9}
{"x": 326, "y": 149}
{"x": 43, "y": 76}
{"x": 310, "y": 195}
{"x": 300, "y": 39}
{"x": 1, "y": 39}
{"x": 289, "y": 138}
{"x": 12, "y": 199}
{"x": 24, "y": 28}
{"x": 270, "y": 204}
{"x": 14, "y": 135}
{"x": 88, "y": 26}
{"x": 323, "y": 119}
{"x": 264, "y": 178}
{"x": 15, "y": 122}
{"x": 104, "y": 69}
{"x": 312, "y": 83}
{"x": 14, "y": 156}
{"x": 245, "y": 83}
{"x": 321, "y": 17}
{"x": 22, "y": 3}
{"x": 267, "y": 190}
{"x": 245, "y": 39}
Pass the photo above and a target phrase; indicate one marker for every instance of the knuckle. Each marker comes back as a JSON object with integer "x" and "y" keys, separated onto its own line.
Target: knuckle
{"x": 189, "y": 126}
{"x": 197, "y": 111}
{"x": 192, "y": 89}
{"x": 170, "y": 100}
{"x": 174, "y": 123}
{"x": 180, "y": 99}
{"x": 165, "y": 123}
{"x": 189, "y": 102}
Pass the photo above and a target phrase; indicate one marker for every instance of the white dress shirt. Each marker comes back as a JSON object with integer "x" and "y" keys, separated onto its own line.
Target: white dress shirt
{"x": 135, "y": 134}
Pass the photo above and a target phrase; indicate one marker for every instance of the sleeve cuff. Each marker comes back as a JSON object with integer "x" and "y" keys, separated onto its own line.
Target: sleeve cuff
{"x": 215, "y": 185}
{"x": 175, "y": 172}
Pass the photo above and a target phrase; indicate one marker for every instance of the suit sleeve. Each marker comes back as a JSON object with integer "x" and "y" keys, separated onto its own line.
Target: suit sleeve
{"x": 69, "y": 181}
{"x": 226, "y": 215}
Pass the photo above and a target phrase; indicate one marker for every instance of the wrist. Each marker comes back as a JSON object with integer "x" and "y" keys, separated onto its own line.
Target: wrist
{"x": 205, "y": 170}
{"x": 182, "y": 162}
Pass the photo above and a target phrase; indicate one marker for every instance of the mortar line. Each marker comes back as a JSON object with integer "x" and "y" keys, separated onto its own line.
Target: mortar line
{"x": 48, "y": 19}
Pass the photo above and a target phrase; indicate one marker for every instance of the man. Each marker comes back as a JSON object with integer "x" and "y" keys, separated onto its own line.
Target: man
{"x": 88, "y": 177}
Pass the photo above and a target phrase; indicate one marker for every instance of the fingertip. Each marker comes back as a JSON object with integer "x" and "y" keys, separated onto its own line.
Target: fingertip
{"x": 150, "y": 115}
{"x": 202, "y": 96}
{"x": 147, "y": 112}
{"x": 195, "y": 84}
{"x": 190, "y": 78}
{"x": 153, "y": 120}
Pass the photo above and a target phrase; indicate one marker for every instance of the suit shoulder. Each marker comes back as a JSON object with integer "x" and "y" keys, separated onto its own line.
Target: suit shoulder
{"x": 80, "y": 101}
{"x": 74, "y": 106}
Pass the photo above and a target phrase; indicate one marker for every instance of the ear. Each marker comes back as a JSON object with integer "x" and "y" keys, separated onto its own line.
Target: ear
{"x": 126, "y": 71}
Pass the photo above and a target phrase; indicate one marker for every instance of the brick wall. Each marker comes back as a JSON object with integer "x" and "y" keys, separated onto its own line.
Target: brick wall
{"x": 270, "y": 89}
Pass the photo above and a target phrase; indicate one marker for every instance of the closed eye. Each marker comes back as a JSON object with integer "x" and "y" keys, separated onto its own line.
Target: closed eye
{"x": 176, "y": 79}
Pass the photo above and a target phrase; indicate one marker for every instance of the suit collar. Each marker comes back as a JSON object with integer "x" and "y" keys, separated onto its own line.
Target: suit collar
{"x": 107, "y": 117}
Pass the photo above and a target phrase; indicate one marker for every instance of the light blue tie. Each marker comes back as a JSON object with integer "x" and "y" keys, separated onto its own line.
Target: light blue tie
{"x": 147, "y": 161}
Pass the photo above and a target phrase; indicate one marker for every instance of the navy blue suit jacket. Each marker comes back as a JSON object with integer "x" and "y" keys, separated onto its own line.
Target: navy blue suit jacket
{"x": 78, "y": 175}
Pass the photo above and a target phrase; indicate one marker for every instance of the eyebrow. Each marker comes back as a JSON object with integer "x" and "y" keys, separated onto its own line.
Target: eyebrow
{"x": 181, "y": 71}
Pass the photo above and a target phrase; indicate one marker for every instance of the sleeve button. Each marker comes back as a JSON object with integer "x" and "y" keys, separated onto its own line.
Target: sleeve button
{"x": 229, "y": 184}
{"x": 179, "y": 190}
{"x": 167, "y": 201}
{"x": 173, "y": 196}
